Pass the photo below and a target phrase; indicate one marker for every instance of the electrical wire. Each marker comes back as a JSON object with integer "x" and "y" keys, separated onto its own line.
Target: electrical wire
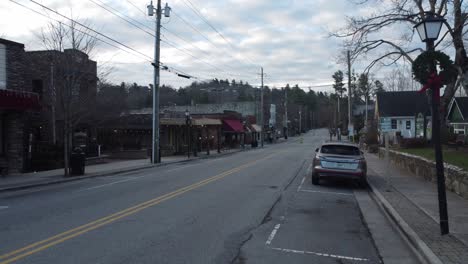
{"x": 83, "y": 32}
{"x": 137, "y": 54}
{"x": 124, "y": 17}
{"x": 204, "y": 36}
{"x": 189, "y": 4}
{"x": 90, "y": 29}
{"x": 129, "y": 20}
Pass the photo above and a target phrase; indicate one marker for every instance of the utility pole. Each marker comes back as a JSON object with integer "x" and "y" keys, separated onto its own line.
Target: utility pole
{"x": 286, "y": 113}
{"x": 349, "y": 94}
{"x": 155, "y": 157}
{"x": 261, "y": 110}
{"x": 300, "y": 122}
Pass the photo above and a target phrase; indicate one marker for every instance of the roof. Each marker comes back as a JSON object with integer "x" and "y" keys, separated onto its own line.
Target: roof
{"x": 9, "y": 42}
{"x": 462, "y": 103}
{"x": 256, "y": 128}
{"x": 405, "y": 103}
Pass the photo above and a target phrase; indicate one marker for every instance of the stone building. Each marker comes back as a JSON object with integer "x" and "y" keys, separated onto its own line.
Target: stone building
{"x": 17, "y": 106}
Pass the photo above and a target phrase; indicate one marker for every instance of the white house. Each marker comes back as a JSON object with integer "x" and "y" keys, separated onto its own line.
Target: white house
{"x": 458, "y": 115}
{"x": 404, "y": 113}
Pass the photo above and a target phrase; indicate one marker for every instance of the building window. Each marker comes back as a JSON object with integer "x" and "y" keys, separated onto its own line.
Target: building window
{"x": 394, "y": 124}
{"x": 3, "y": 75}
{"x": 37, "y": 87}
{"x": 408, "y": 124}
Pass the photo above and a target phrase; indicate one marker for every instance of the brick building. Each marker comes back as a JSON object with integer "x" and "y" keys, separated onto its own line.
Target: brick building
{"x": 62, "y": 79}
{"x": 17, "y": 106}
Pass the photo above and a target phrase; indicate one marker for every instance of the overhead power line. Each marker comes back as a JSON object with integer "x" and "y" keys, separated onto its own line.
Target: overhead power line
{"x": 196, "y": 58}
{"x": 83, "y": 32}
{"x": 189, "y": 4}
{"x": 130, "y": 20}
{"x": 127, "y": 50}
{"x": 206, "y": 38}
{"x": 124, "y": 17}
{"x": 90, "y": 29}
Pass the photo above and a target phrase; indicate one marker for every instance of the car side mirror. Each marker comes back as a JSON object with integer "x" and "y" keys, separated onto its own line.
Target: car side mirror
{"x": 317, "y": 149}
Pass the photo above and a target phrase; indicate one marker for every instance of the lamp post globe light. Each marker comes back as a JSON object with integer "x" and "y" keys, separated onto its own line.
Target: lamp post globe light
{"x": 429, "y": 29}
{"x": 155, "y": 155}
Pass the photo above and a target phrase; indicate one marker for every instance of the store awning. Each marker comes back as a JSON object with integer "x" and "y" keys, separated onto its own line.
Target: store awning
{"x": 256, "y": 128}
{"x": 19, "y": 100}
{"x": 172, "y": 121}
{"x": 233, "y": 126}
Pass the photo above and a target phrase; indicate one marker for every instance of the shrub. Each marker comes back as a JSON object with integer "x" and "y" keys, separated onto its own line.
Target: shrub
{"x": 413, "y": 142}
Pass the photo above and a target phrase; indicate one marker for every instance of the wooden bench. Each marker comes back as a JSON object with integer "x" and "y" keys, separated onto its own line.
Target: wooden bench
{"x": 459, "y": 141}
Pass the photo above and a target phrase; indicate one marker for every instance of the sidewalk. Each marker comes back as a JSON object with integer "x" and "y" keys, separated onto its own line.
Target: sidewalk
{"x": 34, "y": 179}
{"x": 413, "y": 204}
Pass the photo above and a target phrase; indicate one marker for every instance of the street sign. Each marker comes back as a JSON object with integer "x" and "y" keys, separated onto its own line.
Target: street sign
{"x": 385, "y": 124}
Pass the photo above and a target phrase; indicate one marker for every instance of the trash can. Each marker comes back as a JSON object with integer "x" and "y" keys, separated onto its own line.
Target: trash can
{"x": 77, "y": 162}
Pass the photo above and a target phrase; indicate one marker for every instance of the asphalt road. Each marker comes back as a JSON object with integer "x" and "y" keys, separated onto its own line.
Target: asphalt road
{"x": 250, "y": 207}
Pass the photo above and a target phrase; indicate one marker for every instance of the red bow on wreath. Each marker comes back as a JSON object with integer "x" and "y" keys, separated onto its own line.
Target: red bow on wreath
{"x": 434, "y": 83}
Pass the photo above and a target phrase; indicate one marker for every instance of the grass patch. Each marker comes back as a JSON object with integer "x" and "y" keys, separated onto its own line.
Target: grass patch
{"x": 451, "y": 156}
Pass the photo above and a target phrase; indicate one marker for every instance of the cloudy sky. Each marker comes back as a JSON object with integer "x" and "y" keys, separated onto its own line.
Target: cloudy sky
{"x": 288, "y": 38}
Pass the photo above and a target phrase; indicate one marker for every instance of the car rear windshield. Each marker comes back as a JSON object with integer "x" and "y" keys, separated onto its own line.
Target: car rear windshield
{"x": 340, "y": 150}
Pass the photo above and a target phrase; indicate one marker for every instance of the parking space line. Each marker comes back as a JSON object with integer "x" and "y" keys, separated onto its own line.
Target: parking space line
{"x": 304, "y": 252}
{"x": 4, "y": 207}
{"x": 326, "y": 192}
{"x": 273, "y": 234}
{"x": 302, "y": 182}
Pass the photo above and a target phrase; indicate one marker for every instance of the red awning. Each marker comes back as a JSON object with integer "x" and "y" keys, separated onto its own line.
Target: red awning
{"x": 19, "y": 100}
{"x": 233, "y": 126}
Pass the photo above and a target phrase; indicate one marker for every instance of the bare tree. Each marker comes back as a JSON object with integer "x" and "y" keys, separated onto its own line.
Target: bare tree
{"x": 363, "y": 35}
{"x": 73, "y": 77}
{"x": 399, "y": 79}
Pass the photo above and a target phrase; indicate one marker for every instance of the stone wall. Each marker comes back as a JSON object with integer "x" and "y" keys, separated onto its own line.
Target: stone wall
{"x": 456, "y": 179}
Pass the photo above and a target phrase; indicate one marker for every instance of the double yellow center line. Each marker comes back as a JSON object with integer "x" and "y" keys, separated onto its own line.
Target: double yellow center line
{"x": 64, "y": 236}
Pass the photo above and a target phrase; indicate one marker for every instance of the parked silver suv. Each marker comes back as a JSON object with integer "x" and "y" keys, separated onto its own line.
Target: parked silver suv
{"x": 339, "y": 159}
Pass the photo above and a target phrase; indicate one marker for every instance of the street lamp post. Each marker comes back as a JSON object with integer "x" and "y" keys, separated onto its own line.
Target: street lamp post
{"x": 155, "y": 157}
{"x": 188, "y": 123}
{"x": 428, "y": 29}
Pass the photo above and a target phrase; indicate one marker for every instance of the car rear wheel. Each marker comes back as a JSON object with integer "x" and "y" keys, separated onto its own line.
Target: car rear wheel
{"x": 315, "y": 179}
{"x": 362, "y": 182}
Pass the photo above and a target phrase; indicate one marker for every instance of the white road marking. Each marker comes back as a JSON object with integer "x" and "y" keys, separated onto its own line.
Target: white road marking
{"x": 338, "y": 193}
{"x": 273, "y": 234}
{"x": 111, "y": 183}
{"x": 304, "y": 178}
{"x": 304, "y": 252}
{"x": 4, "y": 207}
{"x": 302, "y": 182}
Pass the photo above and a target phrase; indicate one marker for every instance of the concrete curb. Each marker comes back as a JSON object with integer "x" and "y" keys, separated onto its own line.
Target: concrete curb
{"x": 107, "y": 173}
{"x": 409, "y": 233}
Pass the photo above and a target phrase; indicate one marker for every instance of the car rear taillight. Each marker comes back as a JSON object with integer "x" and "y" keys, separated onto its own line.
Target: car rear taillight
{"x": 362, "y": 164}
{"x": 316, "y": 161}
